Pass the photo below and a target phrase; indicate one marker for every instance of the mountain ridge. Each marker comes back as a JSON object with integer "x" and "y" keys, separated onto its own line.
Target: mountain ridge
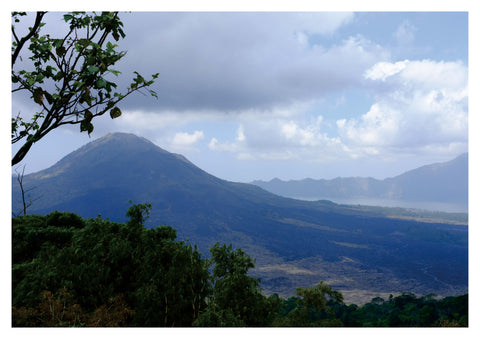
{"x": 363, "y": 254}
{"x": 445, "y": 182}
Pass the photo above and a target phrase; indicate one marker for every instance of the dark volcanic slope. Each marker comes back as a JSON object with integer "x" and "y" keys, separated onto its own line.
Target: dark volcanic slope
{"x": 295, "y": 242}
{"x": 101, "y": 177}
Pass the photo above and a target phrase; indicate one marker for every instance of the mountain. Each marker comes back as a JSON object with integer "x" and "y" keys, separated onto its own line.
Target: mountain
{"x": 440, "y": 185}
{"x": 362, "y": 253}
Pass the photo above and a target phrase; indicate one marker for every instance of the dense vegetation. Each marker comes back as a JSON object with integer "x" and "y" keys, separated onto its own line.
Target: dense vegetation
{"x": 69, "y": 271}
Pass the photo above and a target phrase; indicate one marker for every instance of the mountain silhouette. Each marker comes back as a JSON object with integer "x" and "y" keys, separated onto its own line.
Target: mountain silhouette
{"x": 440, "y": 185}
{"x": 296, "y": 243}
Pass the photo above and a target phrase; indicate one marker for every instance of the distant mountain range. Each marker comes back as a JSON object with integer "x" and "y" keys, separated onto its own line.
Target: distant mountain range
{"x": 440, "y": 185}
{"x": 362, "y": 253}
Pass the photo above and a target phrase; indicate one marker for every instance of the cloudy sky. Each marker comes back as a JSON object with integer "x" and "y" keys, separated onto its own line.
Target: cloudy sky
{"x": 252, "y": 95}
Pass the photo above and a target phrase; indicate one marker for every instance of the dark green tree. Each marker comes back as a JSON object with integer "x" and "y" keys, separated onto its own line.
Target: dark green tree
{"x": 310, "y": 308}
{"x": 407, "y": 310}
{"x": 174, "y": 280}
{"x": 237, "y": 299}
{"x": 453, "y": 311}
{"x": 68, "y": 77}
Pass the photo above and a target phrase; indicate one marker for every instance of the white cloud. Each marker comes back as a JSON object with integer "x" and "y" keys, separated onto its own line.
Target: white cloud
{"x": 184, "y": 140}
{"x": 279, "y": 139}
{"x": 421, "y": 105}
{"x": 289, "y": 129}
{"x": 383, "y": 70}
{"x": 433, "y": 74}
{"x": 375, "y": 128}
{"x": 237, "y": 146}
{"x": 240, "y": 134}
{"x": 296, "y": 135}
{"x": 215, "y": 145}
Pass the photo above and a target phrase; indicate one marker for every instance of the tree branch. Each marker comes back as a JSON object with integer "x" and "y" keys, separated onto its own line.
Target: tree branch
{"x": 33, "y": 30}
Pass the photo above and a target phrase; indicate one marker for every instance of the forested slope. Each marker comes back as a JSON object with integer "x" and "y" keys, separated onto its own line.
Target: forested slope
{"x": 69, "y": 271}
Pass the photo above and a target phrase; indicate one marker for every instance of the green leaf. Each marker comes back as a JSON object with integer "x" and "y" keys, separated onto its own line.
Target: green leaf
{"x": 90, "y": 60}
{"x": 84, "y": 42}
{"x": 138, "y": 79}
{"x": 49, "y": 70}
{"x": 111, "y": 47}
{"x": 153, "y": 94}
{"x": 57, "y": 43}
{"x": 93, "y": 69}
{"x": 60, "y": 51}
{"x": 77, "y": 84}
{"x": 114, "y": 72}
{"x": 58, "y": 76}
{"x": 86, "y": 126}
{"x": 67, "y": 17}
{"x": 115, "y": 112}
{"x": 39, "y": 78}
{"x": 100, "y": 83}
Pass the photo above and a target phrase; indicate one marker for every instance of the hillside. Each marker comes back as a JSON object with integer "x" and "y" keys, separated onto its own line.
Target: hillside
{"x": 361, "y": 253}
{"x": 436, "y": 186}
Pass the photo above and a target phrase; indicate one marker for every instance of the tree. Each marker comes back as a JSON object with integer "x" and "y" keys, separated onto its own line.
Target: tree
{"x": 316, "y": 297}
{"x": 67, "y": 76}
{"x": 138, "y": 214}
{"x": 311, "y": 306}
{"x": 237, "y": 299}
{"x": 173, "y": 280}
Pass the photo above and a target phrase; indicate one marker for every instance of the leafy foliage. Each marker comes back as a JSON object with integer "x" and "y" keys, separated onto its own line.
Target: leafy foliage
{"x": 236, "y": 298}
{"x": 163, "y": 279}
{"x": 68, "y": 271}
{"x": 310, "y": 307}
{"x": 69, "y": 76}
{"x": 406, "y": 310}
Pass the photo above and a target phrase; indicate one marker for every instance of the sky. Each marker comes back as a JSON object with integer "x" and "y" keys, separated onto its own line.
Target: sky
{"x": 260, "y": 95}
